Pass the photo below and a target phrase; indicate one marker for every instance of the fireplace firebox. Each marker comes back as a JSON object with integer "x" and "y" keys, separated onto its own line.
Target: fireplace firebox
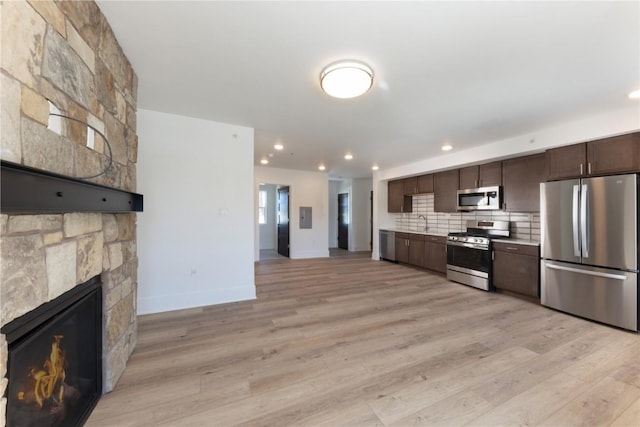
{"x": 55, "y": 360}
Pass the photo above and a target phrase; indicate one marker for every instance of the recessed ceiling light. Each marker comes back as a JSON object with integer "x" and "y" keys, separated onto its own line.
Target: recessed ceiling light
{"x": 321, "y": 167}
{"x": 264, "y": 161}
{"x": 635, "y": 94}
{"x": 278, "y": 147}
{"x": 348, "y": 156}
{"x": 447, "y": 147}
{"x": 346, "y": 79}
{"x": 374, "y": 168}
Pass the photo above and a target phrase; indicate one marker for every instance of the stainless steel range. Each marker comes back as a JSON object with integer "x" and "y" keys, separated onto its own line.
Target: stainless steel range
{"x": 469, "y": 252}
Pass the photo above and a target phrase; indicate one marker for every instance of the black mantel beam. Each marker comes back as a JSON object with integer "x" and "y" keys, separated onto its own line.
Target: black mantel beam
{"x": 28, "y": 190}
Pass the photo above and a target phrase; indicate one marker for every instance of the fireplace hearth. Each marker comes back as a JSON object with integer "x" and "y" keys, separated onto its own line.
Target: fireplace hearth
{"x": 55, "y": 360}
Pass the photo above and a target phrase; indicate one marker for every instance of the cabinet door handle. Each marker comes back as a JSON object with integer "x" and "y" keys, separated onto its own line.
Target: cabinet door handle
{"x": 511, "y": 248}
{"x": 493, "y": 255}
{"x": 581, "y": 168}
{"x": 589, "y": 168}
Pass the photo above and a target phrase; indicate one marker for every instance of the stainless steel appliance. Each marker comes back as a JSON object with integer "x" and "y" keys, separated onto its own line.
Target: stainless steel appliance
{"x": 484, "y": 198}
{"x": 589, "y": 248}
{"x": 387, "y": 245}
{"x": 469, "y": 253}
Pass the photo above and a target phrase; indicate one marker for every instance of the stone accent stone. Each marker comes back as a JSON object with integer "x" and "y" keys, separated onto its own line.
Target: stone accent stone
{"x": 89, "y": 257}
{"x": 78, "y": 223}
{"x": 106, "y": 88}
{"x": 22, "y": 33}
{"x": 105, "y": 261}
{"x": 4, "y": 220}
{"x": 50, "y": 12}
{"x": 126, "y": 226}
{"x": 115, "y": 255}
{"x": 76, "y": 131}
{"x": 131, "y": 117}
{"x": 121, "y": 108}
{"x": 22, "y": 274}
{"x": 119, "y": 319}
{"x": 109, "y": 227}
{"x": 114, "y": 362}
{"x": 127, "y": 286}
{"x": 86, "y": 18}
{"x": 132, "y": 143}
{"x": 65, "y": 69}
{"x": 112, "y": 296}
{"x": 22, "y": 223}
{"x": 114, "y": 59}
{"x": 43, "y": 149}
{"x": 115, "y": 134}
{"x": 10, "y": 144}
{"x": 88, "y": 162}
{"x": 52, "y": 238}
{"x": 81, "y": 47}
{"x": 34, "y": 105}
{"x": 61, "y": 268}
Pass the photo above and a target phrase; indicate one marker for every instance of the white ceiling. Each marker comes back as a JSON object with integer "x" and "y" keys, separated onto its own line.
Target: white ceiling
{"x": 467, "y": 73}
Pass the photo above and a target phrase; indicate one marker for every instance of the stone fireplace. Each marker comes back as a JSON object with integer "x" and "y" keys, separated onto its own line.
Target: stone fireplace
{"x": 65, "y": 54}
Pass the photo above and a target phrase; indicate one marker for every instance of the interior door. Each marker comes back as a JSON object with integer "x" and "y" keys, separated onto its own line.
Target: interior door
{"x": 283, "y": 221}
{"x": 343, "y": 221}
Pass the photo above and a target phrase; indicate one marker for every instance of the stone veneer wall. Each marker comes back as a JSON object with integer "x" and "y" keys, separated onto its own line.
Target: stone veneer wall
{"x": 66, "y": 52}
{"x": 525, "y": 226}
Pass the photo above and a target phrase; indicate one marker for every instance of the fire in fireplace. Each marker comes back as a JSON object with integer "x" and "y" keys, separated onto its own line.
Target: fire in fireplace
{"x": 55, "y": 360}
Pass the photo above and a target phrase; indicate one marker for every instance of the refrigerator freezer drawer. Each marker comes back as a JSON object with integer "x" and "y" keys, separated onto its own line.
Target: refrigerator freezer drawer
{"x": 608, "y": 296}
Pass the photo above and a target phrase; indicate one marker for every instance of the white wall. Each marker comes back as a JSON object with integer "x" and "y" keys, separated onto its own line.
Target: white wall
{"x": 360, "y": 214}
{"x": 268, "y": 232}
{"x": 306, "y": 189}
{"x": 195, "y": 236}
{"x": 585, "y": 129}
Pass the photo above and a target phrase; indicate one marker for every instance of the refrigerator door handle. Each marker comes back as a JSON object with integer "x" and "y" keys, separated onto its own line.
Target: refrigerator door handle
{"x": 584, "y": 219}
{"x": 587, "y": 272}
{"x": 576, "y": 220}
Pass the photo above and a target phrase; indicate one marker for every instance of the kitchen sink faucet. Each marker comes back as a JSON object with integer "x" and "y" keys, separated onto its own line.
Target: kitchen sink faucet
{"x": 425, "y": 221}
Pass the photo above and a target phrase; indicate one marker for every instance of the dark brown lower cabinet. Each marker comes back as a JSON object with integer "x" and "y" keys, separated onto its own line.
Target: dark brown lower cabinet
{"x": 435, "y": 253}
{"x": 416, "y": 250}
{"x": 402, "y": 248}
{"x": 516, "y": 268}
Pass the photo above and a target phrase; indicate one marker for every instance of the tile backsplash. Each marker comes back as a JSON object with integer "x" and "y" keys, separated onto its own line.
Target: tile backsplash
{"x": 525, "y": 226}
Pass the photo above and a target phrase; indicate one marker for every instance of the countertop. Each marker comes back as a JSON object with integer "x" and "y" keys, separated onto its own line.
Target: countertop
{"x": 433, "y": 233}
{"x": 424, "y": 233}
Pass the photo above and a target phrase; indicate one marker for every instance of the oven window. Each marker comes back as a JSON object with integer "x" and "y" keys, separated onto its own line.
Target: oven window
{"x": 473, "y": 259}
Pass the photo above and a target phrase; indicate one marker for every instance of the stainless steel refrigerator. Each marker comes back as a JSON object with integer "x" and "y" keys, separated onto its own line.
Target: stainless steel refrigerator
{"x": 589, "y": 248}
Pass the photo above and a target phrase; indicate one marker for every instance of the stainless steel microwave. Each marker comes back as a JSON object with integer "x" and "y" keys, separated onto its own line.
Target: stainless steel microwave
{"x": 484, "y": 198}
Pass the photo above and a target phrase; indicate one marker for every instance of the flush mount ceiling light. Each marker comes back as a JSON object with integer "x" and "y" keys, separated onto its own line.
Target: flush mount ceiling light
{"x": 635, "y": 94}
{"x": 321, "y": 167}
{"x": 447, "y": 147}
{"x": 264, "y": 161}
{"x": 278, "y": 147}
{"x": 374, "y": 168}
{"x": 346, "y": 79}
{"x": 348, "y": 156}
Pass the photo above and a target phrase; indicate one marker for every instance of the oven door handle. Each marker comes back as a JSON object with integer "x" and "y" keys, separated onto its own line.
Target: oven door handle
{"x": 469, "y": 245}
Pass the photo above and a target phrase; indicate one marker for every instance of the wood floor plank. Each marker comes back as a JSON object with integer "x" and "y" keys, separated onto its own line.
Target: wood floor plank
{"x": 351, "y": 341}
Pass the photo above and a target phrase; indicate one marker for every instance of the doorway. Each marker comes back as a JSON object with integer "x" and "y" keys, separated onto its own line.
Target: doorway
{"x": 283, "y": 221}
{"x": 343, "y": 221}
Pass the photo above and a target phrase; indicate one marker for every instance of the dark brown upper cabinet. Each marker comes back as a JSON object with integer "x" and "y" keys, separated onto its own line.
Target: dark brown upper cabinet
{"x": 445, "y": 189}
{"x": 425, "y": 183}
{"x": 397, "y": 202}
{"x": 618, "y": 154}
{"x": 410, "y": 186}
{"x": 486, "y": 175}
{"x": 521, "y": 178}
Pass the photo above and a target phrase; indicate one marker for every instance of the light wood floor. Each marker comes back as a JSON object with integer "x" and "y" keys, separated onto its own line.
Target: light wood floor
{"x": 348, "y": 341}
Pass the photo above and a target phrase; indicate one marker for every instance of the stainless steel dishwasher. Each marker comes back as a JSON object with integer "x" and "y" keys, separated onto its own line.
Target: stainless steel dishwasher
{"x": 388, "y": 245}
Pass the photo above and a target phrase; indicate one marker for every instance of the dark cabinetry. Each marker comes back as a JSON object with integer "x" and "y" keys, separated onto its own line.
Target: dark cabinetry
{"x": 445, "y": 188}
{"x": 418, "y": 184}
{"x": 435, "y": 253}
{"x": 396, "y": 200}
{"x": 516, "y": 268}
{"x": 486, "y": 175}
{"x": 619, "y": 154}
{"x": 521, "y": 178}
{"x": 410, "y": 249}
